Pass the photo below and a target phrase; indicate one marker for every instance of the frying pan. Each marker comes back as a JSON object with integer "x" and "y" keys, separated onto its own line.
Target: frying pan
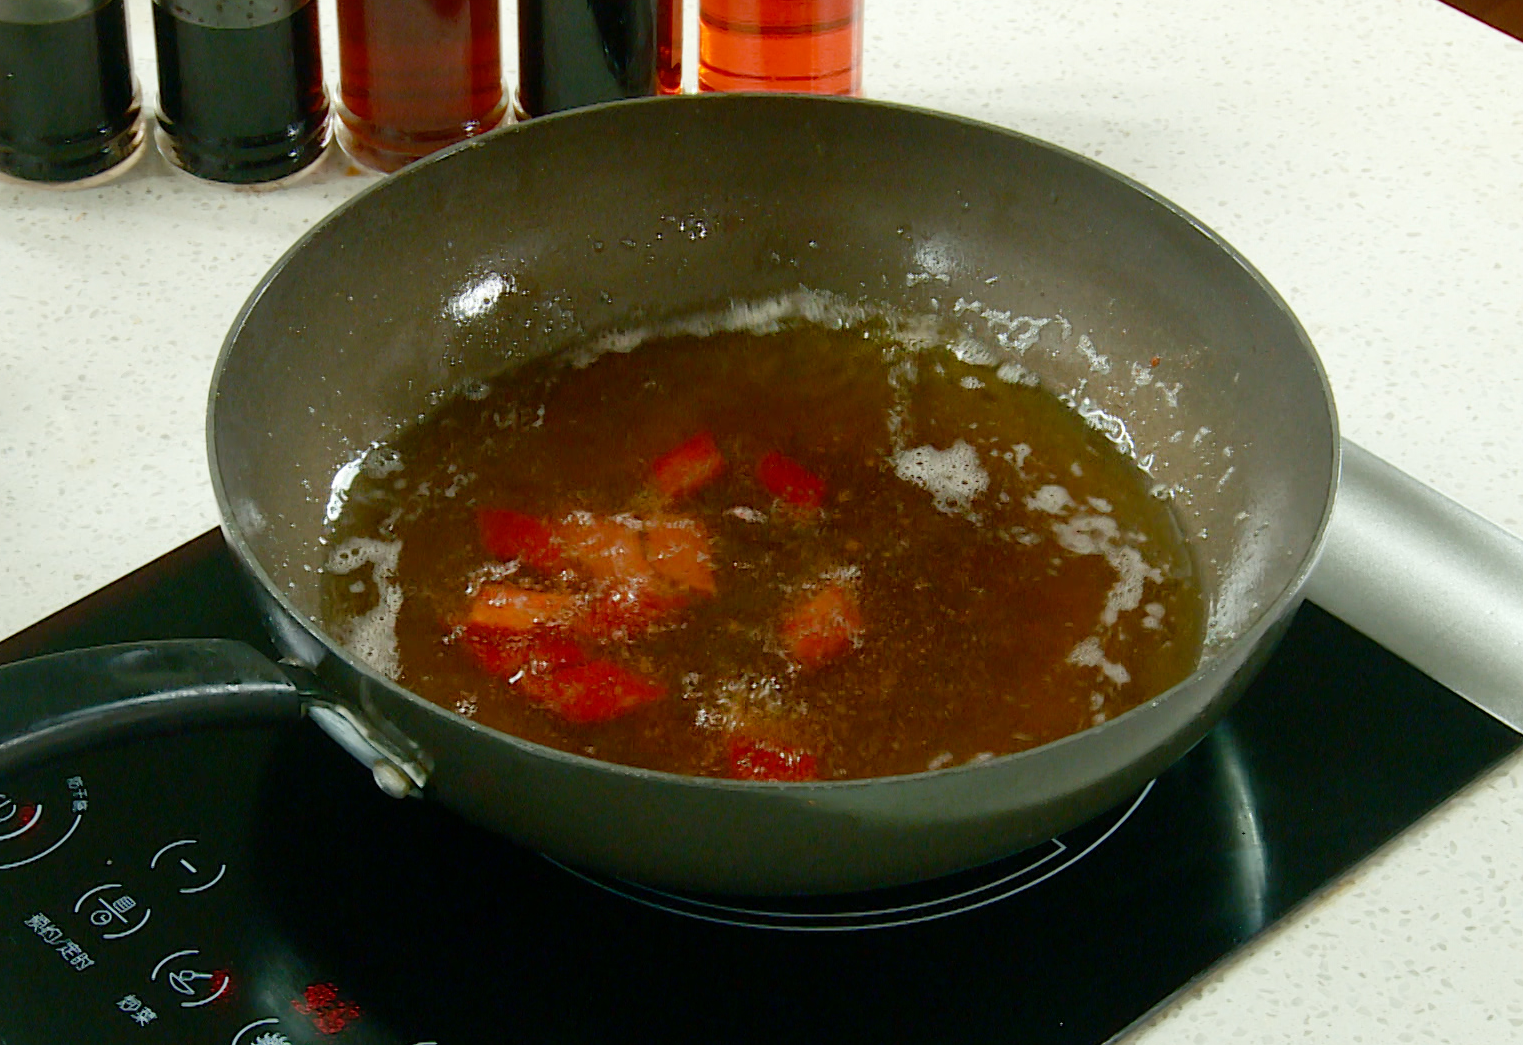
{"x": 543, "y": 235}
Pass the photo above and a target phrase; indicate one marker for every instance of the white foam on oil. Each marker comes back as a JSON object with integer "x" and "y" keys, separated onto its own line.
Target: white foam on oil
{"x": 375, "y": 461}
{"x": 954, "y": 477}
{"x": 1089, "y": 654}
{"x": 1087, "y": 534}
{"x": 1052, "y": 499}
{"x": 1097, "y": 363}
{"x": 1112, "y": 426}
{"x": 338, "y": 490}
{"x": 1236, "y": 602}
{"x": 372, "y": 636}
{"x": 767, "y": 316}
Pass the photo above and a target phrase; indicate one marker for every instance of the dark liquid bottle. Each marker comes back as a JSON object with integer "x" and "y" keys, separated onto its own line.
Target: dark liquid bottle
{"x": 240, "y": 87}
{"x": 69, "y": 105}
{"x": 415, "y": 76}
{"x": 580, "y": 52}
{"x": 780, "y": 45}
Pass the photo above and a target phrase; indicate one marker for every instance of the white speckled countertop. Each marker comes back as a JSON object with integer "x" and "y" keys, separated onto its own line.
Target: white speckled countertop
{"x": 1366, "y": 155}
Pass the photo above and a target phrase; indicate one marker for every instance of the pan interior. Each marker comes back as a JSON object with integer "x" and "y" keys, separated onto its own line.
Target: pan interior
{"x": 635, "y": 215}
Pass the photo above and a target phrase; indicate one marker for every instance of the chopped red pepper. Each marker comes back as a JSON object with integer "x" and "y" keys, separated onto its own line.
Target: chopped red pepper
{"x": 689, "y": 467}
{"x": 823, "y": 626}
{"x": 538, "y": 656}
{"x": 678, "y": 549}
{"x": 551, "y": 653}
{"x": 509, "y": 608}
{"x": 618, "y": 611}
{"x": 597, "y": 691}
{"x": 607, "y": 549}
{"x": 507, "y": 534}
{"x": 754, "y": 758}
{"x": 784, "y": 477}
{"x": 499, "y": 658}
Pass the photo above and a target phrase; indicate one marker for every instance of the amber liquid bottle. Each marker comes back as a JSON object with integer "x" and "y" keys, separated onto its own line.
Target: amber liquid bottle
{"x": 415, "y": 76}
{"x": 780, "y": 45}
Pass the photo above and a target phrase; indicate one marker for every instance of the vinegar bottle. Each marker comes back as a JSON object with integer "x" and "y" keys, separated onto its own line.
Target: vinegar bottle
{"x": 69, "y": 105}
{"x": 415, "y": 76}
{"x": 780, "y": 45}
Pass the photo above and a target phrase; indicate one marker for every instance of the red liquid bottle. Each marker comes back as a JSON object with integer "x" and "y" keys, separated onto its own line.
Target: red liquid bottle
{"x": 669, "y": 46}
{"x": 415, "y": 76}
{"x": 780, "y": 45}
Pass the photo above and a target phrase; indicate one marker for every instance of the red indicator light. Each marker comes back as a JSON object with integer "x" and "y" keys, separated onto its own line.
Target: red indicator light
{"x": 28, "y": 814}
{"x": 329, "y": 1013}
{"x": 221, "y": 985}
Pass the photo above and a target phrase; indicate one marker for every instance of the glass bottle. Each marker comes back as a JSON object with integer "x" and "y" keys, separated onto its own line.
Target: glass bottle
{"x": 240, "y": 87}
{"x": 415, "y": 76}
{"x": 580, "y": 52}
{"x": 780, "y": 45}
{"x": 69, "y": 103}
{"x": 669, "y": 46}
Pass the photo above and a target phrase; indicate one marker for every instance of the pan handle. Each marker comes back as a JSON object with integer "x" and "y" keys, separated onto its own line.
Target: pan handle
{"x": 64, "y": 702}
{"x": 1428, "y": 579}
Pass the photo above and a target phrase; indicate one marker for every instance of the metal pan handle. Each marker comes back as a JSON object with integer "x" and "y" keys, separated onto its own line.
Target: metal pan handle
{"x": 1431, "y": 581}
{"x": 64, "y": 702}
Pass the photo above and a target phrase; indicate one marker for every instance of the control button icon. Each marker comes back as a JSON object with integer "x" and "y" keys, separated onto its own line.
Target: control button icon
{"x": 184, "y": 981}
{"x": 16, "y": 818}
{"x": 181, "y": 857}
{"x": 197, "y": 985}
{"x": 27, "y": 834}
{"x": 113, "y": 911}
{"x": 260, "y": 1037}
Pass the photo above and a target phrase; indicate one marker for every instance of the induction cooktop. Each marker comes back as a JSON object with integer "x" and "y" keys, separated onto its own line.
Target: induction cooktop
{"x": 249, "y": 885}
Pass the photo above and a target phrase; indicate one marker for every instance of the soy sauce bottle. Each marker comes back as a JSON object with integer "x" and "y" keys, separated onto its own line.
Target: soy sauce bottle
{"x": 241, "y": 94}
{"x": 69, "y": 104}
{"x": 579, "y": 52}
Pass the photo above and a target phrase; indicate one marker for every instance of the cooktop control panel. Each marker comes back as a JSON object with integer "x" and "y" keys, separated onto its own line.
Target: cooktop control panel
{"x": 136, "y": 906}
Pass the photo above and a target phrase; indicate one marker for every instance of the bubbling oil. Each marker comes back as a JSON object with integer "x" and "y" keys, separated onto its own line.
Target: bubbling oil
{"x": 1016, "y": 580}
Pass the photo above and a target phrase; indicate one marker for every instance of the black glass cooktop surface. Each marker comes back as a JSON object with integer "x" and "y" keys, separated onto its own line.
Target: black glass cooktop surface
{"x": 251, "y": 886}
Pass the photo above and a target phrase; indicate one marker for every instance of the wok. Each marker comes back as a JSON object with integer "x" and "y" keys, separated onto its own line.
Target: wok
{"x": 539, "y": 236}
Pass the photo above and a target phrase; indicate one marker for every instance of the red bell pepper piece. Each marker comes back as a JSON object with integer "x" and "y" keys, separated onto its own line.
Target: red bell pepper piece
{"x": 785, "y": 478}
{"x": 754, "y": 758}
{"x": 607, "y": 549}
{"x": 678, "y": 549}
{"x": 511, "y": 609}
{"x": 597, "y": 691}
{"x": 688, "y": 467}
{"x": 536, "y": 656}
{"x": 619, "y": 611}
{"x": 822, "y": 627}
{"x": 507, "y": 535}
